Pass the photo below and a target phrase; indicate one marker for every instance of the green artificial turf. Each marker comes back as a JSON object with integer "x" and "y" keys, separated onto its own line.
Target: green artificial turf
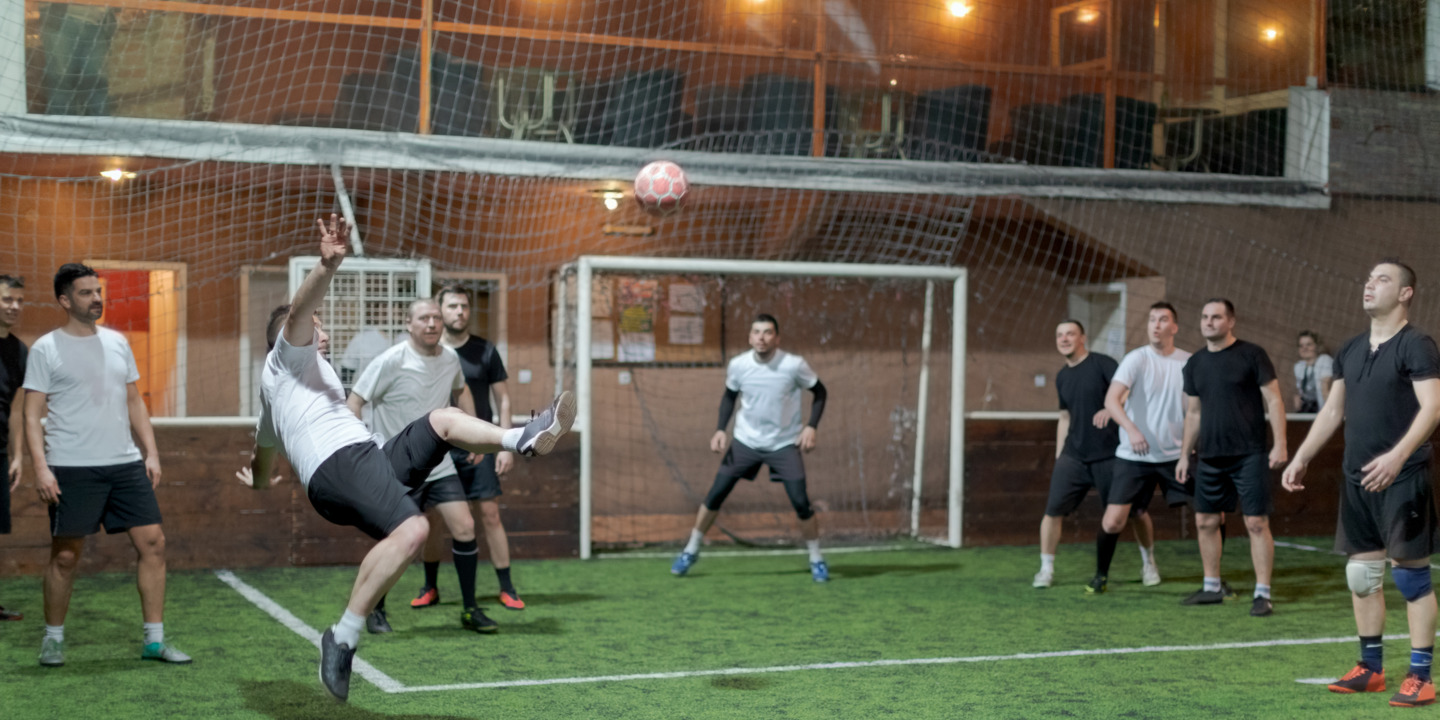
{"x": 623, "y": 616}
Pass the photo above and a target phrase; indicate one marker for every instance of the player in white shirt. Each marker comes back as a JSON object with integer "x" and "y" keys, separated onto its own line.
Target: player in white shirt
{"x": 405, "y": 382}
{"x": 768, "y": 432}
{"x": 348, "y": 476}
{"x": 1146, "y": 399}
{"x": 81, "y": 380}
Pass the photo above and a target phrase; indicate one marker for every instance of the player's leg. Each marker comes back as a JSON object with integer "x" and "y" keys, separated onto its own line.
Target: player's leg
{"x": 1119, "y": 492}
{"x": 455, "y": 510}
{"x": 1358, "y": 534}
{"x": 536, "y": 437}
{"x": 788, "y": 466}
{"x": 1252, "y": 483}
{"x": 6, "y": 615}
{"x": 58, "y": 582}
{"x": 1070, "y": 480}
{"x": 385, "y": 563}
{"x": 1214, "y": 494}
{"x": 76, "y": 514}
{"x": 740, "y": 461}
{"x": 485, "y": 491}
{"x": 1409, "y": 507}
{"x": 434, "y": 549}
{"x": 132, "y": 508}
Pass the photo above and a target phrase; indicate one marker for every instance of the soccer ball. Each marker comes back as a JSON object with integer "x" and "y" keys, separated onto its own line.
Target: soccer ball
{"x": 660, "y": 187}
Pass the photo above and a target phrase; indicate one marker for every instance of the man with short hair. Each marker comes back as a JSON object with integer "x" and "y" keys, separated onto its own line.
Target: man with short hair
{"x": 484, "y": 375}
{"x": 767, "y": 380}
{"x": 348, "y": 476}
{"x": 1085, "y": 439}
{"x": 1235, "y": 385}
{"x": 407, "y": 381}
{"x": 1144, "y": 399}
{"x": 12, "y": 408}
{"x": 1387, "y": 394}
{"x": 81, "y": 380}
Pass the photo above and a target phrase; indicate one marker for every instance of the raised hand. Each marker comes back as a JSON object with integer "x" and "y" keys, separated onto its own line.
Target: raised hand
{"x": 334, "y": 240}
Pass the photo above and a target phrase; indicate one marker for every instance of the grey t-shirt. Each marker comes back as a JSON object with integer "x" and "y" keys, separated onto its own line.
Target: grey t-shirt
{"x": 86, "y": 381}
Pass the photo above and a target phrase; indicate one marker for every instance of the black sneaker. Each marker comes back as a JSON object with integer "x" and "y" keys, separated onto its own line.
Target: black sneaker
{"x": 1225, "y": 590}
{"x": 476, "y": 619}
{"x": 1096, "y": 585}
{"x": 377, "y": 623}
{"x": 1262, "y": 607}
{"x": 335, "y": 660}
{"x": 540, "y": 434}
{"x": 1204, "y": 597}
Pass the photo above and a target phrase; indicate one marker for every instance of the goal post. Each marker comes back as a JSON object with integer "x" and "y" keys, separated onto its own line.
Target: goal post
{"x": 588, "y": 268}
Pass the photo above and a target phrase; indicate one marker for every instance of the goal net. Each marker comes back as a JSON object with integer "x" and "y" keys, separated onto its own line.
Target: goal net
{"x": 649, "y": 340}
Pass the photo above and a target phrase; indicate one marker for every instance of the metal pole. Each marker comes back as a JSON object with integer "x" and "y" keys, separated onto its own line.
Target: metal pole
{"x": 957, "y": 410}
{"x": 922, "y": 409}
{"x": 582, "y": 397}
{"x": 347, "y": 210}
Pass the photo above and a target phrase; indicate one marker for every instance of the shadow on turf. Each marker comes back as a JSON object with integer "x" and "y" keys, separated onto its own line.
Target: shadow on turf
{"x": 536, "y": 599}
{"x": 855, "y": 572}
{"x": 540, "y": 626}
{"x": 1291, "y": 584}
{"x": 740, "y": 682}
{"x": 292, "y": 700}
{"x": 83, "y": 667}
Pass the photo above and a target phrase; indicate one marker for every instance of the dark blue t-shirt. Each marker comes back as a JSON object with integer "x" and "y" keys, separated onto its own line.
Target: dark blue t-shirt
{"x": 1380, "y": 402}
{"x": 1082, "y": 391}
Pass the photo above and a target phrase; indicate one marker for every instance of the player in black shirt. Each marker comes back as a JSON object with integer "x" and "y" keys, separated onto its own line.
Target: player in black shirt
{"x": 1387, "y": 393}
{"x": 12, "y": 419}
{"x": 485, "y": 374}
{"x": 1085, "y": 440}
{"x": 1235, "y": 384}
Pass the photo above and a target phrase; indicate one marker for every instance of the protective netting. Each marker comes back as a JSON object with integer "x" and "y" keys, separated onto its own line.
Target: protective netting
{"x": 660, "y": 345}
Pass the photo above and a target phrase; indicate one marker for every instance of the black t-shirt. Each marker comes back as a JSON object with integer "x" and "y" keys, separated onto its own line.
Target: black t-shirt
{"x": 12, "y": 377}
{"x": 1380, "y": 402}
{"x": 1232, "y": 410}
{"x": 1082, "y": 391}
{"x": 481, "y": 364}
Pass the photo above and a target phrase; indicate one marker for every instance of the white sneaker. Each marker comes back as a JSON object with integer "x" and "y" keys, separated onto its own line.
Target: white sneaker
{"x": 1150, "y": 575}
{"x": 1043, "y": 578}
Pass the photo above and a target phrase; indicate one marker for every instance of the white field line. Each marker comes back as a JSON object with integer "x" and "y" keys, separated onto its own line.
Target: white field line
{"x": 760, "y": 553}
{"x": 286, "y": 618}
{"x": 884, "y": 663}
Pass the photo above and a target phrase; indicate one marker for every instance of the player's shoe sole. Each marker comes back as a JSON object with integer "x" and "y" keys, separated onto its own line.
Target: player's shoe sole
{"x": 545, "y": 429}
{"x": 1360, "y": 679}
{"x": 162, "y": 652}
{"x": 1414, "y": 692}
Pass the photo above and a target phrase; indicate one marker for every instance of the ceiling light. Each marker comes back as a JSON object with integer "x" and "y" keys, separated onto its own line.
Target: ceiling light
{"x": 960, "y": 9}
{"x": 117, "y": 175}
{"x": 1087, "y": 15}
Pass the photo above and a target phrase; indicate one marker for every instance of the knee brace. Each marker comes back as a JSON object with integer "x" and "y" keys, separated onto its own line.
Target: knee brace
{"x": 1366, "y": 576}
{"x": 1413, "y": 582}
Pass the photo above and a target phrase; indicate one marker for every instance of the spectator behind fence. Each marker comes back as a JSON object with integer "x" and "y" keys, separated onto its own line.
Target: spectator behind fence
{"x": 1313, "y": 373}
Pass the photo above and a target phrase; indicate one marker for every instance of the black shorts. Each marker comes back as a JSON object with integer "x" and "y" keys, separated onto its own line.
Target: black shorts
{"x": 366, "y": 487}
{"x": 118, "y": 496}
{"x": 446, "y": 489}
{"x": 5, "y": 495}
{"x": 1399, "y": 519}
{"x": 742, "y": 461}
{"x": 1141, "y": 479}
{"x": 480, "y": 480}
{"x": 1223, "y": 483}
{"x": 1072, "y": 478}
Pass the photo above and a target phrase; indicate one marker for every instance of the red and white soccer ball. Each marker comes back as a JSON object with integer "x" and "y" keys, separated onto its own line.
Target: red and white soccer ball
{"x": 660, "y": 187}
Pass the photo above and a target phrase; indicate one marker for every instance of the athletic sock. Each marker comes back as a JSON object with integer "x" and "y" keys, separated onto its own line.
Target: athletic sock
{"x": 1212, "y": 584}
{"x": 503, "y": 575}
{"x": 55, "y": 632}
{"x": 693, "y": 547}
{"x": 432, "y": 574}
{"x": 1105, "y": 551}
{"x": 1047, "y": 562}
{"x": 1262, "y": 591}
{"x": 380, "y": 605}
{"x": 1147, "y": 555}
{"x": 467, "y": 557}
{"x": 347, "y": 631}
{"x": 1420, "y": 661}
{"x": 154, "y": 633}
{"x": 814, "y": 547}
{"x": 1372, "y": 652}
{"x": 511, "y": 439}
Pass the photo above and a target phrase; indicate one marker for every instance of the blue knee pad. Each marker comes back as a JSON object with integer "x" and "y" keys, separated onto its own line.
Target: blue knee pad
{"x": 1414, "y": 583}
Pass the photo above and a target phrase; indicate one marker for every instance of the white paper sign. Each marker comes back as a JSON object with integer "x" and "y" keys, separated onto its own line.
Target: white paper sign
{"x": 687, "y": 330}
{"x": 602, "y": 340}
{"x": 686, "y": 299}
{"x": 637, "y": 347}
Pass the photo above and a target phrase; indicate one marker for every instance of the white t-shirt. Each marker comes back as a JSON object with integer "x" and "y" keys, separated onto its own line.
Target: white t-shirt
{"x": 769, "y": 417}
{"x": 1156, "y": 404}
{"x": 87, "y": 383}
{"x": 1324, "y": 367}
{"x": 401, "y": 386}
{"x": 302, "y": 408}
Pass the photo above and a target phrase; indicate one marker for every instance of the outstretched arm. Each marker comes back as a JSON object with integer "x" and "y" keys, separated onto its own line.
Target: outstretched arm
{"x": 334, "y": 244}
{"x": 718, "y": 441}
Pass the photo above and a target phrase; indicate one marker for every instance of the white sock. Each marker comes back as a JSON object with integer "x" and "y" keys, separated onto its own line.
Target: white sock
{"x": 693, "y": 547}
{"x": 1211, "y": 584}
{"x": 1262, "y": 591}
{"x": 154, "y": 633}
{"x": 1147, "y": 555}
{"x": 55, "y": 632}
{"x": 1047, "y": 562}
{"x": 347, "y": 631}
{"x": 814, "y": 547}
{"x": 511, "y": 439}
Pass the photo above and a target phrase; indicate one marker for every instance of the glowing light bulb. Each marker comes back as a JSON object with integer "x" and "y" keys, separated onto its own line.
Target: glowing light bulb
{"x": 1087, "y": 15}
{"x": 1270, "y": 34}
{"x": 611, "y": 203}
{"x": 960, "y": 9}
{"x": 117, "y": 175}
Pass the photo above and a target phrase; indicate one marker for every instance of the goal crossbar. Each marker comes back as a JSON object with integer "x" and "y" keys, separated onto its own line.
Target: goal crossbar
{"x": 588, "y": 265}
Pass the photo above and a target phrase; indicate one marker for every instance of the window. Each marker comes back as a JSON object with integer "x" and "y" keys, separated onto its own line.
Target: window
{"x": 146, "y": 303}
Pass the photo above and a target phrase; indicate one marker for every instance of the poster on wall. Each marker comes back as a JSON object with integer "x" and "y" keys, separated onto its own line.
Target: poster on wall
{"x": 637, "y": 346}
{"x": 637, "y": 305}
{"x": 685, "y": 298}
{"x": 602, "y": 340}
{"x": 687, "y": 330}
